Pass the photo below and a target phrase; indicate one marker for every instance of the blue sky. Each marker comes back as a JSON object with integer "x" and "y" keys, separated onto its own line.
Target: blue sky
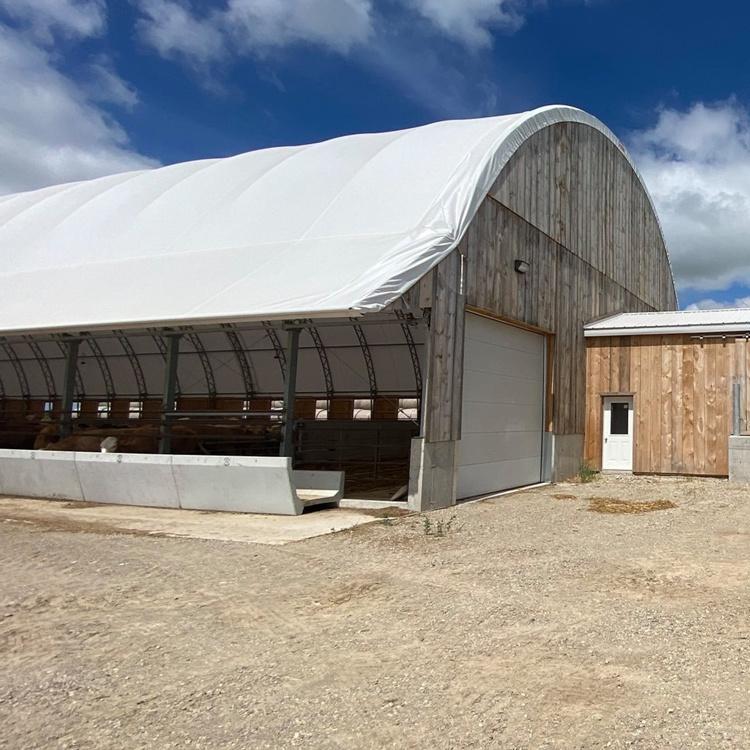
{"x": 90, "y": 87}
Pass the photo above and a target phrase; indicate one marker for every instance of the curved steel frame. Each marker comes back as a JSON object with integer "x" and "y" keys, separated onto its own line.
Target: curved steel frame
{"x": 277, "y": 347}
{"x": 243, "y": 358}
{"x": 23, "y": 382}
{"x": 368, "y": 360}
{"x": 80, "y": 392}
{"x": 140, "y": 381}
{"x": 162, "y": 347}
{"x": 242, "y": 361}
{"x": 44, "y": 367}
{"x": 208, "y": 372}
{"x": 324, "y": 363}
{"x": 101, "y": 360}
{"x": 413, "y": 353}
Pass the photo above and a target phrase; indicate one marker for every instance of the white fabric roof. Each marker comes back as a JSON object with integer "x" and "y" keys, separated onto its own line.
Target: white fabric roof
{"x": 335, "y": 228}
{"x": 678, "y": 321}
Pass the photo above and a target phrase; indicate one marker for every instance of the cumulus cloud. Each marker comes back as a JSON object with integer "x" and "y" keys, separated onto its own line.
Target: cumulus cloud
{"x": 175, "y": 29}
{"x": 712, "y": 304}
{"x": 425, "y": 77}
{"x": 472, "y": 21}
{"x": 45, "y": 18}
{"x": 55, "y": 129}
{"x": 202, "y": 34}
{"x": 102, "y": 84}
{"x": 419, "y": 45}
{"x": 696, "y": 164}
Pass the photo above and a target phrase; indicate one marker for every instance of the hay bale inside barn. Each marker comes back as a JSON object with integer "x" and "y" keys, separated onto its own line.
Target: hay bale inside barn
{"x": 406, "y": 308}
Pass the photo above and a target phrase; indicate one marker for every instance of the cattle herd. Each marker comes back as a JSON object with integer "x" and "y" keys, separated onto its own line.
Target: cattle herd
{"x": 228, "y": 437}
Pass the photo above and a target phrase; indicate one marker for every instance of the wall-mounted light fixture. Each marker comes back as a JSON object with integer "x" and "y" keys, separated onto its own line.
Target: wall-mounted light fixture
{"x": 521, "y": 266}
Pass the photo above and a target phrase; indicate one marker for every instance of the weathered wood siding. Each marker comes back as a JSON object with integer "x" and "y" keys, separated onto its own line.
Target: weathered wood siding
{"x": 682, "y": 399}
{"x": 570, "y": 205}
{"x": 445, "y": 347}
{"x": 740, "y": 373}
{"x": 576, "y": 187}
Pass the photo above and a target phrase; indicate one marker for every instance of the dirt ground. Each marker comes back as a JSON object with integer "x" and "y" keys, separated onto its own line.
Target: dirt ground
{"x": 532, "y": 622}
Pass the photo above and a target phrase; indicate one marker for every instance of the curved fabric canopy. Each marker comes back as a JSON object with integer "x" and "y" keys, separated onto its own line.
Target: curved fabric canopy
{"x": 331, "y": 229}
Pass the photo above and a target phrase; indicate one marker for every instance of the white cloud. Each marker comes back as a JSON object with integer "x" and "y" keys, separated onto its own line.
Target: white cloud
{"x": 697, "y": 167}
{"x": 104, "y": 85}
{"x": 396, "y": 41}
{"x": 252, "y": 27}
{"x": 45, "y": 18}
{"x": 712, "y": 304}
{"x": 427, "y": 78}
{"x": 172, "y": 30}
{"x": 53, "y": 129}
{"x": 471, "y": 21}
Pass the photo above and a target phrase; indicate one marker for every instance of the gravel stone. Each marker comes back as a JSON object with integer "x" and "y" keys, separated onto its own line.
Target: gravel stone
{"x": 533, "y": 622}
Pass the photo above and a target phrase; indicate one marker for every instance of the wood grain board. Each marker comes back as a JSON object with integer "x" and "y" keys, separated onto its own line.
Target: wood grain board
{"x": 569, "y": 204}
{"x": 682, "y": 388}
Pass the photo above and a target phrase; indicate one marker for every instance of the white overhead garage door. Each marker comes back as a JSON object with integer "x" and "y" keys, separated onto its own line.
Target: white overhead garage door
{"x": 503, "y": 408}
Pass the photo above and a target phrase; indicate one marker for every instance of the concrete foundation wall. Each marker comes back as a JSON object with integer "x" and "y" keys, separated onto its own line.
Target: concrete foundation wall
{"x": 567, "y": 456}
{"x": 739, "y": 458}
{"x": 50, "y": 474}
{"x": 232, "y": 483}
{"x": 548, "y": 456}
{"x": 433, "y": 473}
{"x": 240, "y": 484}
{"x": 125, "y": 479}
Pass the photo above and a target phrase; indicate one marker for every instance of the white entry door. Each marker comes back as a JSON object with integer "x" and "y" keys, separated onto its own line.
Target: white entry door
{"x": 617, "y": 453}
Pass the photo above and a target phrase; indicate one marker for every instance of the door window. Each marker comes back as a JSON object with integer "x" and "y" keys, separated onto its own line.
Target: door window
{"x": 619, "y": 423}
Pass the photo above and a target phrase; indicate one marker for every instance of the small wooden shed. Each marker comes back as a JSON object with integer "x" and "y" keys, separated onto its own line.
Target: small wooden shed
{"x": 660, "y": 390}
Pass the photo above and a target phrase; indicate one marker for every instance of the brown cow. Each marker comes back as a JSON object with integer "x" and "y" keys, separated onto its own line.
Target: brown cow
{"x": 141, "y": 439}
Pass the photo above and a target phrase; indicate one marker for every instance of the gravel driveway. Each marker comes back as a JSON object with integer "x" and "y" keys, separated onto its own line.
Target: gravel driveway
{"x": 532, "y": 622}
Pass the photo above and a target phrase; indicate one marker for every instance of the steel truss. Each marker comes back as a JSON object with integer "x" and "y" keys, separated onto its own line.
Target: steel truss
{"x": 23, "y": 382}
{"x": 44, "y": 367}
{"x": 364, "y": 346}
{"x": 242, "y": 361}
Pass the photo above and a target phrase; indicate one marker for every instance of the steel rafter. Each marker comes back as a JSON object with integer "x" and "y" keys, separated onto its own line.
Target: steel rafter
{"x": 208, "y": 371}
{"x": 273, "y": 337}
{"x": 162, "y": 347}
{"x": 242, "y": 361}
{"x": 324, "y": 363}
{"x": 80, "y": 393}
{"x": 413, "y": 353}
{"x": 368, "y": 360}
{"x": 140, "y": 381}
{"x": 44, "y": 367}
{"x": 101, "y": 360}
{"x": 23, "y": 382}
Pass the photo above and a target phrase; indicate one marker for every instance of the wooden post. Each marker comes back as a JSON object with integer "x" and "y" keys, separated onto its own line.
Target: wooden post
{"x": 169, "y": 392}
{"x": 736, "y": 409}
{"x": 434, "y": 454}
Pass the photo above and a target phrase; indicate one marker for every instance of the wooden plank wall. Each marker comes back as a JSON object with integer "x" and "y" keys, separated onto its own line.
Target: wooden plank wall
{"x": 570, "y": 205}
{"x": 445, "y": 345}
{"x": 740, "y": 373}
{"x": 576, "y": 187}
{"x": 682, "y": 399}
{"x": 559, "y": 293}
